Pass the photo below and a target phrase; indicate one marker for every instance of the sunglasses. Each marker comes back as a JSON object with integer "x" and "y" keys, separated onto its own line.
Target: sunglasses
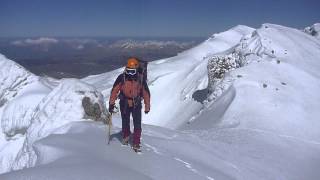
{"x": 131, "y": 71}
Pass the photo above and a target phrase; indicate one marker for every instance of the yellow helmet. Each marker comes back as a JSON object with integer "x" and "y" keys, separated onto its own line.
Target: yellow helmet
{"x": 133, "y": 63}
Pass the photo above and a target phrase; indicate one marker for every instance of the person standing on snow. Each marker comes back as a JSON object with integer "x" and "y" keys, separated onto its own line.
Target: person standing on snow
{"x": 131, "y": 88}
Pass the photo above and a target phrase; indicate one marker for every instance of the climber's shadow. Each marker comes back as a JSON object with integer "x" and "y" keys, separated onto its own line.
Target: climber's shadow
{"x": 117, "y": 136}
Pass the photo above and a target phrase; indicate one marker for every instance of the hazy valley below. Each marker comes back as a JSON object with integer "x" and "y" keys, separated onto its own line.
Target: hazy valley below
{"x": 79, "y": 57}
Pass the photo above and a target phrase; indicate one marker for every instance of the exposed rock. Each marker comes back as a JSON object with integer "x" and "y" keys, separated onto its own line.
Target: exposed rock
{"x": 92, "y": 110}
{"x": 218, "y": 66}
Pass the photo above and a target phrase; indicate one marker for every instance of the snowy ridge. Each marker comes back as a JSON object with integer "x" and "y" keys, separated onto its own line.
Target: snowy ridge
{"x": 271, "y": 61}
{"x": 60, "y": 107}
{"x": 13, "y": 77}
{"x": 18, "y": 102}
{"x": 250, "y": 49}
{"x": 32, "y": 108}
{"x": 252, "y": 115}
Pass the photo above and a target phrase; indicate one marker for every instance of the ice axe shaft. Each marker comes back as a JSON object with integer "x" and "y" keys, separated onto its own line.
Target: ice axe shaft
{"x": 109, "y": 122}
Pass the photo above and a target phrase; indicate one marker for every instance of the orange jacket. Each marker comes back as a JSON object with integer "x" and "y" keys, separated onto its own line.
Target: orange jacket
{"x": 131, "y": 88}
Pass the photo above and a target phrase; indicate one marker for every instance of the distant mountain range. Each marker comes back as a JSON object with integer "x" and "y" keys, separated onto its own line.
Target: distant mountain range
{"x": 80, "y": 43}
{"x": 78, "y": 57}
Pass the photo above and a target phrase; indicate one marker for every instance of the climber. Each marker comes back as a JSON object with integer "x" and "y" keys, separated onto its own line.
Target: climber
{"x": 131, "y": 87}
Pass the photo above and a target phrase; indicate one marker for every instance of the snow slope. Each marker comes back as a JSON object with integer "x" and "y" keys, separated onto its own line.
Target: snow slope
{"x": 289, "y": 104}
{"x": 20, "y": 93}
{"x": 32, "y": 108}
{"x": 167, "y": 154}
{"x": 258, "y": 121}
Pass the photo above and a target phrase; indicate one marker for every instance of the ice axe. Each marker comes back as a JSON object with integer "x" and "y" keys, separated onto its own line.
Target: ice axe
{"x": 109, "y": 122}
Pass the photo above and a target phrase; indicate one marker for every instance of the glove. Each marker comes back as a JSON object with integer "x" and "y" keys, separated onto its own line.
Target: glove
{"x": 146, "y": 112}
{"x": 111, "y": 108}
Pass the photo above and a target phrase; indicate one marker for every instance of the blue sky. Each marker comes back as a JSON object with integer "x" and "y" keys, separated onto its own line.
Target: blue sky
{"x": 148, "y": 17}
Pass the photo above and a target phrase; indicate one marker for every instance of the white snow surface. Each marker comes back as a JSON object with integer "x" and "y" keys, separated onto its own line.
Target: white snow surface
{"x": 260, "y": 122}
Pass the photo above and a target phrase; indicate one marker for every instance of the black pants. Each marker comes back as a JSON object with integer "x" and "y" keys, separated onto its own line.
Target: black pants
{"x": 126, "y": 112}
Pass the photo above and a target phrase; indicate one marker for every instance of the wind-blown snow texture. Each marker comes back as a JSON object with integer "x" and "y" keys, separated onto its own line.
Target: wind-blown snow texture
{"x": 242, "y": 105}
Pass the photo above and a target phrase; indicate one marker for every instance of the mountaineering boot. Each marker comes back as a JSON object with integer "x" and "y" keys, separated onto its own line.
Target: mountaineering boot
{"x": 136, "y": 148}
{"x": 125, "y": 141}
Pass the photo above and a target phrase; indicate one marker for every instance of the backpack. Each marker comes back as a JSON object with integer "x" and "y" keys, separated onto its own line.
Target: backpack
{"x": 143, "y": 71}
